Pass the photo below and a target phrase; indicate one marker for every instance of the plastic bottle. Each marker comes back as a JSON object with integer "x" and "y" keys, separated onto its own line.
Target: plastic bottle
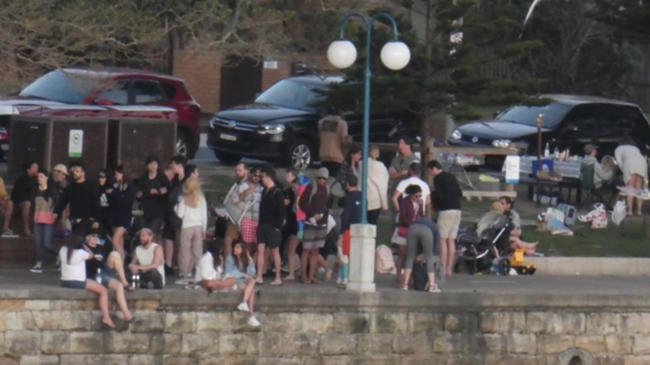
{"x": 133, "y": 283}
{"x": 99, "y": 276}
{"x": 556, "y": 153}
{"x": 137, "y": 280}
{"x": 547, "y": 151}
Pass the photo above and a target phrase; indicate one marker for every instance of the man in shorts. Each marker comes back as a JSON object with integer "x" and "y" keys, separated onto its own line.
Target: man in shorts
{"x": 269, "y": 231}
{"x": 235, "y": 206}
{"x": 446, "y": 200}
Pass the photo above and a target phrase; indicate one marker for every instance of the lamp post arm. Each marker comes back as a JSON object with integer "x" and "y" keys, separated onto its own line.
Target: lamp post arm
{"x": 390, "y": 19}
{"x": 367, "y": 22}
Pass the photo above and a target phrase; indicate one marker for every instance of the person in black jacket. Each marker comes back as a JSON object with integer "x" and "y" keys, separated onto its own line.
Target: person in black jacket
{"x": 271, "y": 220}
{"x": 81, "y": 195}
{"x": 23, "y": 194}
{"x": 446, "y": 200}
{"x": 120, "y": 198}
{"x": 152, "y": 191}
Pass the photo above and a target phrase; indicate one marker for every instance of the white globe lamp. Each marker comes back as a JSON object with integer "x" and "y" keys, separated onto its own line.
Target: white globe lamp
{"x": 342, "y": 53}
{"x": 395, "y": 55}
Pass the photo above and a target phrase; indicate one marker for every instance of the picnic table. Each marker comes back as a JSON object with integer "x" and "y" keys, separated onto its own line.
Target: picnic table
{"x": 569, "y": 171}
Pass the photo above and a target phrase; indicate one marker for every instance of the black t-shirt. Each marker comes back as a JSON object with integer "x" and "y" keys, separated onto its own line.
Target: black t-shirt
{"x": 83, "y": 200}
{"x": 24, "y": 189}
{"x": 272, "y": 207}
{"x": 153, "y": 206}
{"x": 447, "y": 192}
{"x": 93, "y": 264}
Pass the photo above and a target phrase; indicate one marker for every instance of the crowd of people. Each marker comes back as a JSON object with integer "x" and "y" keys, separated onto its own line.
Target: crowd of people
{"x": 264, "y": 225}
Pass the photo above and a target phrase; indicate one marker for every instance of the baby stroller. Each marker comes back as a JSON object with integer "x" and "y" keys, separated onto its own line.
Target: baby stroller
{"x": 478, "y": 253}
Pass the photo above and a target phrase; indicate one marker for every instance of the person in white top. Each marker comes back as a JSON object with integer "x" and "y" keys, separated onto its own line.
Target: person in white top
{"x": 634, "y": 167}
{"x": 413, "y": 179}
{"x": 209, "y": 272}
{"x": 192, "y": 210}
{"x": 73, "y": 275}
{"x": 377, "y": 195}
{"x": 241, "y": 267}
{"x": 148, "y": 261}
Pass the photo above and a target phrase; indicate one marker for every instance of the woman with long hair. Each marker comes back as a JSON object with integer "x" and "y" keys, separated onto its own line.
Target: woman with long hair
{"x": 193, "y": 212}
{"x": 240, "y": 265}
{"x": 410, "y": 209}
{"x": 121, "y": 197}
{"x": 45, "y": 202}
{"x": 73, "y": 258}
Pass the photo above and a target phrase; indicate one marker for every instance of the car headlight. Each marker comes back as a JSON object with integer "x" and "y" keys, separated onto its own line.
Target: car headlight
{"x": 501, "y": 143}
{"x": 456, "y": 134}
{"x": 272, "y": 129}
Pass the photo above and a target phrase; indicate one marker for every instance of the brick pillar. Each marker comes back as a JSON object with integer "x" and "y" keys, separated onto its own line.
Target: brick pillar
{"x": 202, "y": 73}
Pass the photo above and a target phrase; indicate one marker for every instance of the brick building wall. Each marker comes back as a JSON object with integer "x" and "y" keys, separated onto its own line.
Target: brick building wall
{"x": 202, "y": 73}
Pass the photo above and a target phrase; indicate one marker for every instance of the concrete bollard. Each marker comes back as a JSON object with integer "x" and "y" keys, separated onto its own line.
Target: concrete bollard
{"x": 362, "y": 258}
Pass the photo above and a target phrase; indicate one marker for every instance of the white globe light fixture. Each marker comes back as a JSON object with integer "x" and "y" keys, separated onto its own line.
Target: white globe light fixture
{"x": 395, "y": 55}
{"x": 342, "y": 53}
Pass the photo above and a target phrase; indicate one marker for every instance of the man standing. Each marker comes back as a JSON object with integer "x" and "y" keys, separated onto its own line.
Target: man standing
{"x": 399, "y": 166}
{"x": 333, "y": 131}
{"x": 148, "y": 261}
{"x": 172, "y": 222}
{"x": 23, "y": 193}
{"x": 235, "y": 205}
{"x": 269, "y": 231}
{"x": 152, "y": 192}
{"x": 84, "y": 202}
{"x": 446, "y": 200}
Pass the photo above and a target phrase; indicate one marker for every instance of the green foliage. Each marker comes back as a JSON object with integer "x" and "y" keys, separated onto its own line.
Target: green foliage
{"x": 629, "y": 18}
{"x": 579, "y": 55}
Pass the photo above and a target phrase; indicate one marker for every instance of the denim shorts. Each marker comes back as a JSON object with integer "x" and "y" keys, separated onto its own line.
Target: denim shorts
{"x": 73, "y": 284}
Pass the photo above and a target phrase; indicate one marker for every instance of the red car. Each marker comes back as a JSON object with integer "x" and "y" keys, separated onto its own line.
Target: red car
{"x": 112, "y": 87}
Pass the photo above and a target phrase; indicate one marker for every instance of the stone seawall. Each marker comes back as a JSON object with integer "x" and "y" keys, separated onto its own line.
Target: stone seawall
{"x": 179, "y": 327}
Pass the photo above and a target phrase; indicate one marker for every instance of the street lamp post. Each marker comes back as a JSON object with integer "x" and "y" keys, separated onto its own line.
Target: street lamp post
{"x": 395, "y": 55}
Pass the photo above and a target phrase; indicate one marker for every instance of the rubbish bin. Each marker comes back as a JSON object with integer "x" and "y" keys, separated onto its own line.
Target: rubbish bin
{"x": 49, "y": 141}
{"x": 132, "y": 140}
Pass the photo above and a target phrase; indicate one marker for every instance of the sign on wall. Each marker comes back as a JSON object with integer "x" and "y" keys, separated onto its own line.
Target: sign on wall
{"x": 75, "y": 143}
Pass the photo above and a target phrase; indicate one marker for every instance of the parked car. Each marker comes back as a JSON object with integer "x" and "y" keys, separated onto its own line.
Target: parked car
{"x": 570, "y": 121}
{"x": 110, "y": 88}
{"x": 282, "y": 124}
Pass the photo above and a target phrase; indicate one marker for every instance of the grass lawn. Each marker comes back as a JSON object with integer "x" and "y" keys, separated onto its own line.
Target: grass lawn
{"x": 627, "y": 240}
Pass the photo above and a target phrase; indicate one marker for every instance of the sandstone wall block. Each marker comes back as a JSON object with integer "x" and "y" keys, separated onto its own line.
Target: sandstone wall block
{"x": 351, "y": 323}
{"x": 39, "y": 360}
{"x": 180, "y": 322}
{"x": 337, "y": 344}
{"x": 374, "y": 343}
{"x": 22, "y": 342}
{"x": 55, "y": 342}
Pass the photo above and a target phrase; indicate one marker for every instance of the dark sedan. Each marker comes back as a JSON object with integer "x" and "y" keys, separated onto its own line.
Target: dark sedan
{"x": 570, "y": 121}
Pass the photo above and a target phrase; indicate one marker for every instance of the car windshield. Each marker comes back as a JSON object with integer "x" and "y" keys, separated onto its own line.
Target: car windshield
{"x": 293, "y": 94}
{"x": 63, "y": 86}
{"x": 552, "y": 113}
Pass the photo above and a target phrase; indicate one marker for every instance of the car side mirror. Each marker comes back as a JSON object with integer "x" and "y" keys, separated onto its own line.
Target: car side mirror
{"x": 496, "y": 114}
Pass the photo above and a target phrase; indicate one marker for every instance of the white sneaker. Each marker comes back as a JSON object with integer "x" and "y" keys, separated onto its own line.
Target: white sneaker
{"x": 37, "y": 269}
{"x": 243, "y": 307}
{"x": 253, "y": 322}
{"x": 339, "y": 281}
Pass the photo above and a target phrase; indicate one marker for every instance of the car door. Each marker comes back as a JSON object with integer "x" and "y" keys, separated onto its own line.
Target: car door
{"x": 580, "y": 127}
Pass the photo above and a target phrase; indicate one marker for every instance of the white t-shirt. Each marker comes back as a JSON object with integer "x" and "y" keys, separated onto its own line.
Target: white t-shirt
{"x": 75, "y": 270}
{"x": 205, "y": 269}
{"x": 414, "y": 180}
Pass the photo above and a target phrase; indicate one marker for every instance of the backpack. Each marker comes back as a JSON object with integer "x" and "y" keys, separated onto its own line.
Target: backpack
{"x": 419, "y": 276}
{"x": 384, "y": 262}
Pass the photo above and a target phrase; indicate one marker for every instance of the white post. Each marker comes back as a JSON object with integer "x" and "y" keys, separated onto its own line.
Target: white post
{"x": 362, "y": 258}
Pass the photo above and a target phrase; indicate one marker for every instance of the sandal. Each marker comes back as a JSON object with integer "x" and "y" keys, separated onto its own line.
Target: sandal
{"x": 434, "y": 289}
{"x": 405, "y": 287}
{"x": 276, "y": 283}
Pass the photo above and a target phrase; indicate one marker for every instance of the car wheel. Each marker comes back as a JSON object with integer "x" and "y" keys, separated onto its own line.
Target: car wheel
{"x": 227, "y": 158}
{"x": 182, "y": 145}
{"x": 300, "y": 155}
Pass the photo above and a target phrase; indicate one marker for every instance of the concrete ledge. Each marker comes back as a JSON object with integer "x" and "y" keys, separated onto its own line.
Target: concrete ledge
{"x": 591, "y": 266}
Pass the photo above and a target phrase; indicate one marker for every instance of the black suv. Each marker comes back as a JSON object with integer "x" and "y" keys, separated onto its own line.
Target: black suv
{"x": 282, "y": 124}
{"x": 570, "y": 121}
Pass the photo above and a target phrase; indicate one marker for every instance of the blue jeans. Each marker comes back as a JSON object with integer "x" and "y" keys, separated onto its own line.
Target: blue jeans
{"x": 43, "y": 239}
